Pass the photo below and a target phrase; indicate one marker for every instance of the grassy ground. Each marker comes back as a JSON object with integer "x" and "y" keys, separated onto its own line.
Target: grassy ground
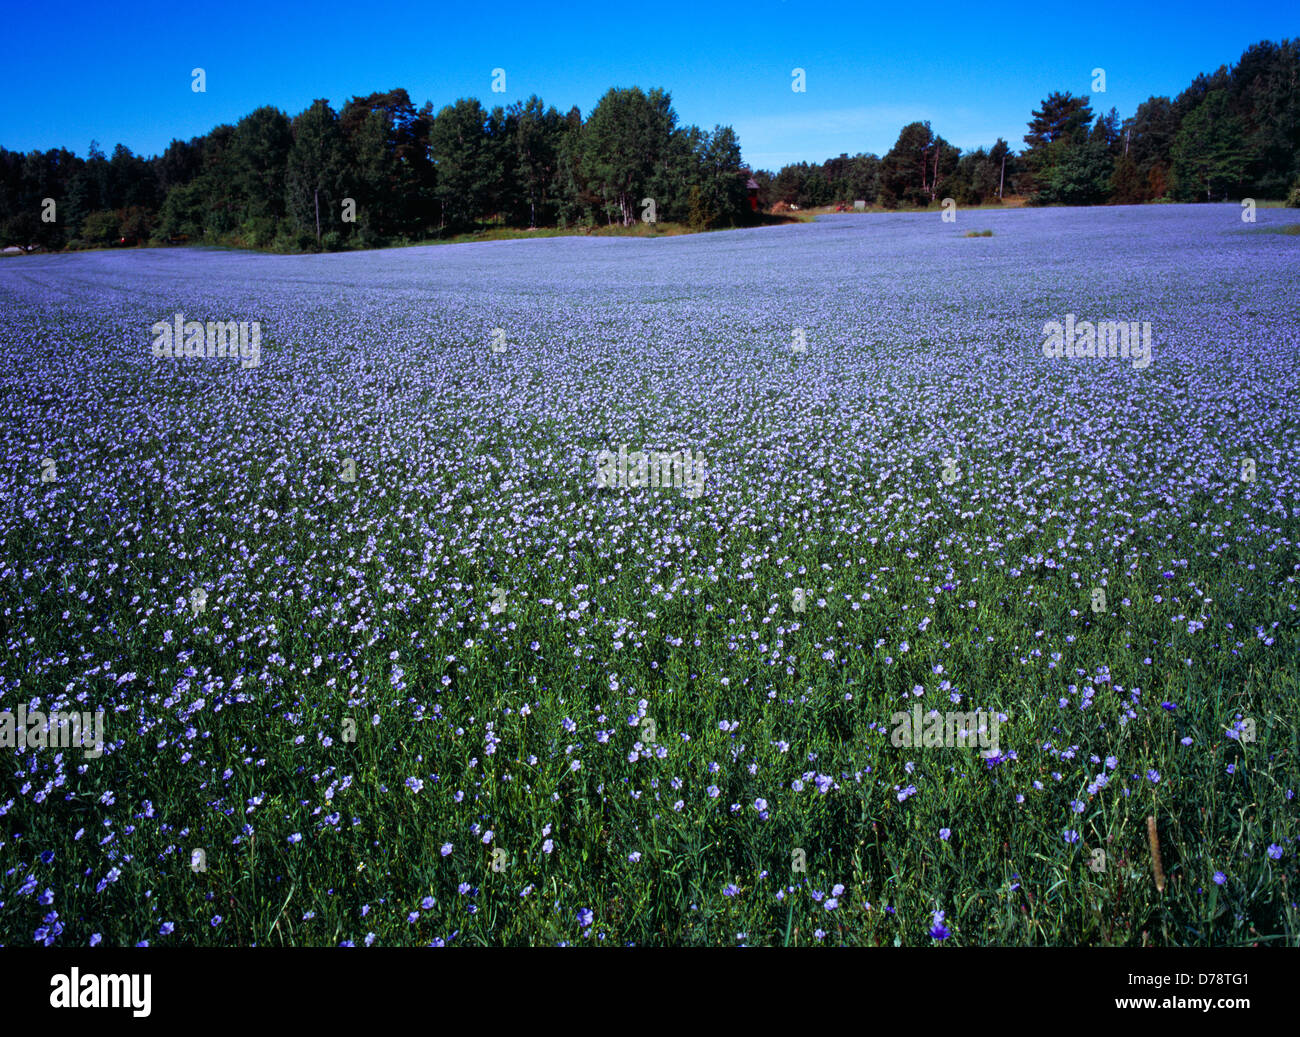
{"x": 1009, "y": 202}
{"x": 640, "y": 229}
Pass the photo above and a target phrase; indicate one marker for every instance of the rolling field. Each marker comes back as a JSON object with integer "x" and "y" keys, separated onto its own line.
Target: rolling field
{"x": 392, "y": 649}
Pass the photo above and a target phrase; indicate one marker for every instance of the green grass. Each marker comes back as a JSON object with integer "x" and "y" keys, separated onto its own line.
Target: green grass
{"x": 617, "y": 230}
{"x": 1023, "y": 887}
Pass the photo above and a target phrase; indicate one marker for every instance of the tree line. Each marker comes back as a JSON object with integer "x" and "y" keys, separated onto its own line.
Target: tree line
{"x": 379, "y": 170}
{"x": 1233, "y": 134}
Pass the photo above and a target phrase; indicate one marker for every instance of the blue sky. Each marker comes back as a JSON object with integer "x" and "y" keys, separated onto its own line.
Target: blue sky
{"x": 121, "y": 72}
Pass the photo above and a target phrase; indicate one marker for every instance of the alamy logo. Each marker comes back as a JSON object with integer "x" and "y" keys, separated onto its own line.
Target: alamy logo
{"x": 240, "y": 340}
{"x": 950, "y": 730}
{"x": 1106, "y": 339}
{"x": 35, "y": 730}
{"x": 94, "y": 991}
{"x": 651, "y": 468}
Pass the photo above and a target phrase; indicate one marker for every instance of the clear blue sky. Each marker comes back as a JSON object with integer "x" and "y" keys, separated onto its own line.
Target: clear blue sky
{"x": 121, "y": 72}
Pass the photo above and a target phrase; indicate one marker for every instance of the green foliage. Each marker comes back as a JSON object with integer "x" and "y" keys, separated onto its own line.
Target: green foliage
{"x": 1210, "y": 154}
{"x": 576, "y": 203}
{"x": 980, "y": 174}
{"x": 1142, "y": 163}
{"x": 1074, "y": 174}
{"x": 722, "y": 177}
{"x": 842, "y": 180}
{"x": 1265, "y": 96}
{"x": 1061, "y": 117}
{"x": 803, "y": 185}
{"x": 101, "y": 228}
{"x": 624, "y": 141}
{"x": 1063, "y": 165}
{"x": 256, "y": 160}
{"x": 135, "y": 222}
{"x": 917, "y": 167}
{"x": 538, "y": 140}
{"x": 20, "y": 229}
{"x": 700, "y": 216}
{"x": 182, "y": 212}
{"x": 388, "y": 169}
{"x": 131, "y": 181}
{"x": 315, "y": 171}
{"x": 469, "y": 155}
{"x": 410, "y": 174}
{"x": 256, "y": 232}
{"x": 1126, "y": 185}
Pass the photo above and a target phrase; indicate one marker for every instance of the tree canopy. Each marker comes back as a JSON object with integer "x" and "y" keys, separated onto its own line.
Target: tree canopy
{"x": 380, "y": 169}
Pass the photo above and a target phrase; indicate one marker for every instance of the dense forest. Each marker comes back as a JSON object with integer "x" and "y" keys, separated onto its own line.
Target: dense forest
{"x": 381, "y": 171}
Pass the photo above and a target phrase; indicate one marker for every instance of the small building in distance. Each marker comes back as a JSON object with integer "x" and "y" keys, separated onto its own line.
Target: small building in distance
{"x": 752, "y": 187}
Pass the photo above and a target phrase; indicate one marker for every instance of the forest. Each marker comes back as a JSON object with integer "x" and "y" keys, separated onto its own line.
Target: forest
{"x": 381, "y": 171}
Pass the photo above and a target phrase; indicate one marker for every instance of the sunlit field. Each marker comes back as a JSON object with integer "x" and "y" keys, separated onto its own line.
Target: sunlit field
{"x": 393, "y": 648}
